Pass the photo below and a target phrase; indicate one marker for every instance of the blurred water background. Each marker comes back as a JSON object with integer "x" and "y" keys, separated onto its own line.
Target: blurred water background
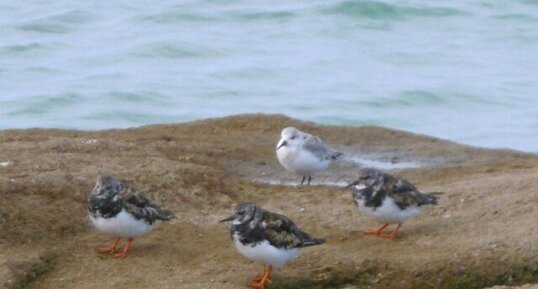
{"x": 460, "y": 70}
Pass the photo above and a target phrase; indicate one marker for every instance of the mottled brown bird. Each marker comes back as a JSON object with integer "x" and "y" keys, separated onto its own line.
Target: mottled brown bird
{"x": 117, "y": 210}
{"x": 387, "y": 199}
{"x": 269, "y": 238}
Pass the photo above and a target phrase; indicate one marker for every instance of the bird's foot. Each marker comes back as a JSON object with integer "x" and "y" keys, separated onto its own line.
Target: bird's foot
{"x": 120, "y": 255}
{"x": 387, "y": 236}
{"x": 259, "y": 282}
{"x": 123, "y": 253}
{"x": 109, "y": 249}
{"x": 377, "y": 231}
{"x": 390, "y": 235}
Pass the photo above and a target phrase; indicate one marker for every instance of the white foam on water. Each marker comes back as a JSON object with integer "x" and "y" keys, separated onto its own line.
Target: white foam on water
{"x": 297, "y": 183}
{"x": 386, "y": 165}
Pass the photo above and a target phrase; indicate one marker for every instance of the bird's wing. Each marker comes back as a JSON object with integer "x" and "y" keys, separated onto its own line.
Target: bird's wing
{"x": 406, "y": 194}
{"x": 281, "y": 232}
{"x": 373, "y": 195}
{"x": 316, "y": 146}
{"x": 142, "y": 208}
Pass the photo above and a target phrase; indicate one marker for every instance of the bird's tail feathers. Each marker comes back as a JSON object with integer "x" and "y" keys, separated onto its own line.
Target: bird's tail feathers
{"x": 431, "y": 198}
{"x": 313, "y": 242}
{"x": 166, "y": 215}
{"x": 336, "y": 155}
{"x": 436, "y": 193}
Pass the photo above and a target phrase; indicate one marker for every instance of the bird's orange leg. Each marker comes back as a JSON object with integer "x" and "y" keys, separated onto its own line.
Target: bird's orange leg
{"x": 259, "y": 283}
{"x": 258, "y": 278}
{"x": 392, "y": 234}
{"x": 377, "y": 231}
{"x": 265, "y": 274}
{"x": 125, "y": 249}
{"x": 109, "y": 249}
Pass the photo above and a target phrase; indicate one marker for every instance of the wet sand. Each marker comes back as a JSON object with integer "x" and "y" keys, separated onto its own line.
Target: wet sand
{"x": 483, "y": 232}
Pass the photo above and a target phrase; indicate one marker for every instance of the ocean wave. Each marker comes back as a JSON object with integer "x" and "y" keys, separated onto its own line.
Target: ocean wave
{"x": 520, "y": 17}
{"x": 146, "y": 98}
{"x": 128, "y": 118}
{"x": 44, "y": 26}
{"x": 24, "y": 49}
{"x": 74, "y": 17}
{"x": 262, "y": 15}
{"x": 431, "y": 99}
{"x": 60, "y": 23}
{"x": 179, "y": 16}
{"x": 407, "y": 98}
{"x": 40, "y": 104}
{"x": 173, "y": 51}
{"x": 388, "y": 11}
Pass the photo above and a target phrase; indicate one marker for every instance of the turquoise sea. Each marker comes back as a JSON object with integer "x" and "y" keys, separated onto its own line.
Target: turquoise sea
{"x": 460, "y": 70}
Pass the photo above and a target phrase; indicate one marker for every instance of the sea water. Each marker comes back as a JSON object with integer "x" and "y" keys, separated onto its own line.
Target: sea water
{"x": 460, "y": 70}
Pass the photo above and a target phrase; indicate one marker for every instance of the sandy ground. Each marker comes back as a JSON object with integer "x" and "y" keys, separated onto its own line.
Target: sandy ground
{"x": 483, "y": 233}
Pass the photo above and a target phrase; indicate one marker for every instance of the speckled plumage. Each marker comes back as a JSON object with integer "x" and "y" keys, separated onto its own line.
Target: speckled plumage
{"x": 373, "y": 186}
{"x": 277, "y": 229}
{"x": 387, "y": 199}
{"x": 118, "y": 210}
{"x": 110, "y": 196}
{"x": 252, "y": 225}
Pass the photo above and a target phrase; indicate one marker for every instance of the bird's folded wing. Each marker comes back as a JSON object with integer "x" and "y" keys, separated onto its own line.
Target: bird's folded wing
{"x": 142, "y": 208}
{"x": 316, "y": 146}
{"x": 405, "y": 195}
{"x": 282, "y": 232}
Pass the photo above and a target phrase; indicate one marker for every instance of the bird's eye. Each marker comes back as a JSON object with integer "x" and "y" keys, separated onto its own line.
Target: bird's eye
{"x": 241, "y": 213}
{"x": 293, "y": 137}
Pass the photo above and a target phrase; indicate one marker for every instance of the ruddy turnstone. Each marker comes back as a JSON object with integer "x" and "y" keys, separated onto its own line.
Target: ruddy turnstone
{"x": 303, "y": 153}
{"x": 387, "y": 199}
{"x": 269, "y": 238}
{"x": 116, "y": 209}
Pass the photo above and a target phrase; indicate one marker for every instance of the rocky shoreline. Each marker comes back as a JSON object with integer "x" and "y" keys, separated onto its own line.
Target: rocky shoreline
{"x": 482, "y": 233}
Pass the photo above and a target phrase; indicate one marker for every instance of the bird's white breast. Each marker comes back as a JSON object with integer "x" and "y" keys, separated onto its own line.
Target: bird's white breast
{"x": 301, "y": 161}
{"x": 388, "y": 212}
{"x": 122, "y": 225}
{"x": 266, "y": 253}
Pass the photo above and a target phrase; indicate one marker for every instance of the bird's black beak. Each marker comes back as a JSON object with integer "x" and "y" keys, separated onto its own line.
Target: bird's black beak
{"x": 230, "y": 218}
{"x": 283, "y": 143}
{"x": 353, "y": 184}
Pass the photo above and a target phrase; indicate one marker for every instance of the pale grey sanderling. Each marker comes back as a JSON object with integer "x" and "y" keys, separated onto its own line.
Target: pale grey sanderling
{"x": 387, "y": 199}
{"x": 117, "y": 210}
{"x": 303, "y": 153}
{"x": 266, "y": 237}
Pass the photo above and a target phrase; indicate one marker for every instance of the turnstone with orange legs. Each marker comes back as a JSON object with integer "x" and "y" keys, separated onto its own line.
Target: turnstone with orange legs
{"x": 268, "y": 238}
{"x": 387, "y": 199}
{"x": 117, "y": 210}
